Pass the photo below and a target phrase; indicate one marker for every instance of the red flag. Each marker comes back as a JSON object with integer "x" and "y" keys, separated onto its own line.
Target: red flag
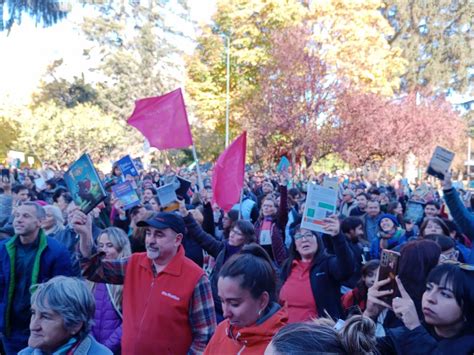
{"x": 228, "y": 174}
{"x": 163, "y": 120}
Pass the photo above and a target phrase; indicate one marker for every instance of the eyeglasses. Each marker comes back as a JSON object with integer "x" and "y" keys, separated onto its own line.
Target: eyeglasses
{"x": 235, "y": 231}
{"x": 467, "y": 267}
{"x": 307, "y": 236}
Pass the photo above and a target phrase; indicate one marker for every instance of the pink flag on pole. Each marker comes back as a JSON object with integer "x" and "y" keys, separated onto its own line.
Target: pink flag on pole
{"x": 228, "y": 174}
{"x": 163, "y": 120}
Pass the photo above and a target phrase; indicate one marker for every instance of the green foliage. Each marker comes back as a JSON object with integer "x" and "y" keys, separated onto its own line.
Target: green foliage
{"x": 8, "y": 133}
{"x": 331, "y": 162}
{"x": 61, "y": 135}
{"x": 62, "y": 92}
{"x": 437, "y": 40}
{"x": 138, "y": 58}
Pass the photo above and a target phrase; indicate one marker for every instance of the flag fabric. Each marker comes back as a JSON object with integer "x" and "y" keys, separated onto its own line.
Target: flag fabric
{"x": 228, "y": 174}
{"x": 283, "y": 165}
{"x": 163, "y": 121}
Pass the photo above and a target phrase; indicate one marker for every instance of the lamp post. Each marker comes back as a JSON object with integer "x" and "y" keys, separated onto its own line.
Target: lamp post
{"x": 227, "y": 93}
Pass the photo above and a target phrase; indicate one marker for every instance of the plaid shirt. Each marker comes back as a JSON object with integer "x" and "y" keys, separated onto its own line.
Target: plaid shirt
{"x": 202, "y": 316}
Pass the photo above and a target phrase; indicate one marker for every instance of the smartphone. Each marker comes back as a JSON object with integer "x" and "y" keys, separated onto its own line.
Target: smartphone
{"x": 5, "y": 175}
{"x": 389, "y": 269}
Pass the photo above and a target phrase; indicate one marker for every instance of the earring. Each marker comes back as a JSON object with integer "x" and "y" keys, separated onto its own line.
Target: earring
{"x": 259, "y": 312}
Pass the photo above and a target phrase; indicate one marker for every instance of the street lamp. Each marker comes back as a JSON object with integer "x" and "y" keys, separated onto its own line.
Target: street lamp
{"x": 227, "y": 93}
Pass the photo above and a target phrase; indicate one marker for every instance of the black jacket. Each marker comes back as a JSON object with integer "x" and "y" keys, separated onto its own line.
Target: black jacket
{"x": 326, "y": 275}
{"x": 423, "y": 340}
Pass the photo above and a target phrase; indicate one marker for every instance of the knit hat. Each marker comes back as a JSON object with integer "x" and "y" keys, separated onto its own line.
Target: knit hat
{"x": 389, "y": 216}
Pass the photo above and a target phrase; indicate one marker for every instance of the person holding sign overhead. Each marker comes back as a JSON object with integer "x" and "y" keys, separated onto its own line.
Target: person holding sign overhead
{"x": 311, "y": 277}
{"x": 270, "y": 227}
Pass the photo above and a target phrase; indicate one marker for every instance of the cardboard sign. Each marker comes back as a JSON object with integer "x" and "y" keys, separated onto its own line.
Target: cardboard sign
{"x": 320, "y": 204}
{"x": 440, "y": 162}
{"x": 126, "y": 194}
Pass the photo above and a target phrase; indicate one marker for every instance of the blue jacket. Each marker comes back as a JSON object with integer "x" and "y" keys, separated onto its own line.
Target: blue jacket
{"x": 52, "y": 259}
{"x": 88, "y": 346}
{"x": 463, "y": 218}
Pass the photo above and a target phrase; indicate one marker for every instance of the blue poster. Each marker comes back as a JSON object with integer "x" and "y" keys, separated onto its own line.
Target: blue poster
{"x": 127, "y": 166}
{"x": 84, "y": 184}
{"x": 126, "y": 194}
{"x": 283, "y": 165}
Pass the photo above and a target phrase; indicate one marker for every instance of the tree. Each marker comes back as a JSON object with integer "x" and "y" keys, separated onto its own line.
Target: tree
{"x": 376, "y": 128}
{"x": 45, "y": 12}
{"x": 293, "y": 111}
{"x": 437, "y": 40}
{"x": 62, "y": 92}
{"x": 249, "y": 25}
{"x": 8, "y": 135}
{"x": 63, "y": 134}
{"x": 353, "y": 37}
{"x": 138, "y": 51}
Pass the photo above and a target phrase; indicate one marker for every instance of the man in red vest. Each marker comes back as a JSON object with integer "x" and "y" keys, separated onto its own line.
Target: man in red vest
{"x": 167, "y": 299}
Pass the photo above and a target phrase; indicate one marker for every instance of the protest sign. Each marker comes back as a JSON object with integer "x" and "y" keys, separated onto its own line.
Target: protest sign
{"x": 331, "y": 183}
{"x": 127, "y": 166}
{"x": 283, "y": 165}
{"x": 167, "y": 194}
{"x": 414, "y": 211}
{"x": 84, "y": 184}
{"x": 440, "y": 162}
{"x": 40, "y": 183}
{"x": 138, "y": 164}
{"x": 320, "y": 204}
{"x": 183, "y": 187}
{"x": 126, "y": 194}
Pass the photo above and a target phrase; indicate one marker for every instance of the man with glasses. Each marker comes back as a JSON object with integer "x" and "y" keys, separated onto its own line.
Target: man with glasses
{"x": 164, "y": 295}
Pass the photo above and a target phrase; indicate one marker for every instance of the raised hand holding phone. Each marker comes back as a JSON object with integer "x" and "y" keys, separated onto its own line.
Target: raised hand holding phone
{"x": 404, "y": 307}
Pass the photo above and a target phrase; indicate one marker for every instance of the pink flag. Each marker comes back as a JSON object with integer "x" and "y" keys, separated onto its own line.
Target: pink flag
{"x": 228, "y": 174}
{"x": 163, "y": 121}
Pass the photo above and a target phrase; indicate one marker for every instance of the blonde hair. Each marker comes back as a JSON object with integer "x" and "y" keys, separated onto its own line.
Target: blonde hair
{"x": 320, "y": 336}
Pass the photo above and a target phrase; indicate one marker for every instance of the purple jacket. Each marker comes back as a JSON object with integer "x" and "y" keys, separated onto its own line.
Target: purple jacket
{"x": 107, "y": 328}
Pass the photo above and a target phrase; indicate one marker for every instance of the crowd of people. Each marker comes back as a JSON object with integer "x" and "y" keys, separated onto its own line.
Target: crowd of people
{"x": 193, "y": 278}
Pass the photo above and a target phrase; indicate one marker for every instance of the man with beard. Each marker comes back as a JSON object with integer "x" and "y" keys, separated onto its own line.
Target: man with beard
{"x": 165, "y": 294}
{"x": 353, "y": 229}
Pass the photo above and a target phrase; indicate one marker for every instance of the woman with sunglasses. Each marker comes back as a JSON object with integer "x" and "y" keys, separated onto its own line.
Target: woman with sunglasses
{"x": 447, "y": 325}
{"x": 311, "y": 277}
{"x": 241, "y": 233}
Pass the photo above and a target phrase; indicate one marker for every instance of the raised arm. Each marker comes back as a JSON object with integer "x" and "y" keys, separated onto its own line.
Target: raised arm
{"x": 94, "y": 268}
{"x": 463, "y": 218}
{"x": 341, "y": 266}
{"x": 205, "y": 240}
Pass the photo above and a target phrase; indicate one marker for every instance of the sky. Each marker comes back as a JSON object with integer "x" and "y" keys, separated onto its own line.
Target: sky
{"x": 31, "y": 49}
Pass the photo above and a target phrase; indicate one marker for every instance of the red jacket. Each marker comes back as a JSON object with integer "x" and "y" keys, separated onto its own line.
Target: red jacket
{"x": 156, "y": 309}
{"x": 248, "y": 340}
